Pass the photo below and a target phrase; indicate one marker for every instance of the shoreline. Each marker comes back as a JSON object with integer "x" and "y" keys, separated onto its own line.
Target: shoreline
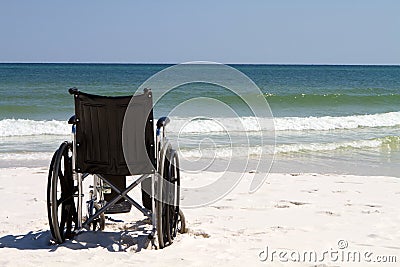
{"x": 344, "y": 164}
{"x": 39, "y": 167}
{"x": 290, "y": 212}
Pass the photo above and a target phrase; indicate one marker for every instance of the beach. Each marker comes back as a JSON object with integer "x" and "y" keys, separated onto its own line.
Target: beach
{"x": 295, "y": 213}
{"x": 329, "y": 147}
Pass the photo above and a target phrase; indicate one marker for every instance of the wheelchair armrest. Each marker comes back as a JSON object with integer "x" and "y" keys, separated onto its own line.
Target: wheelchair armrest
{"x": 72, "y": 120}
{"x": 162, "y": 122}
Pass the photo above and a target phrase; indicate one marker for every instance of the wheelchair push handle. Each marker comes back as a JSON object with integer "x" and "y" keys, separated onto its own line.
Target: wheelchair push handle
{"x": 72, "y": 120}
{"x": 161, "y": 123}
{"x": 73, "y": 91}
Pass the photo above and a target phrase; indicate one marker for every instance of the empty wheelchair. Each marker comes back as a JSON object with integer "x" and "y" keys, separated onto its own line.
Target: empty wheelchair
{"x": 110, "y": 144}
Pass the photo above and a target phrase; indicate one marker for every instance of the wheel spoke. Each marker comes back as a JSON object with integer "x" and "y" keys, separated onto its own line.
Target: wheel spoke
{"x": 61, "y": 175}
{"x": 64, "y": 213}
{"x": 63, "y": 200}
{"x": 165, "y": 222}
{"x": 68, "y": 231}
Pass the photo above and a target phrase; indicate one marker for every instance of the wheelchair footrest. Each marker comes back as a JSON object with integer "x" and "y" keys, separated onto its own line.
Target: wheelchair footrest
{"x": 122, "y": 207}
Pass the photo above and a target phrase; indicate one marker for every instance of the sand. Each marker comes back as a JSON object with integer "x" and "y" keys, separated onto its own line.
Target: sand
{"x": 295, "y": 214}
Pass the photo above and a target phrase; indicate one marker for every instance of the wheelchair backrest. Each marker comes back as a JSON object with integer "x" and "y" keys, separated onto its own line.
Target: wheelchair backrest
{"x": 99, "y": 134}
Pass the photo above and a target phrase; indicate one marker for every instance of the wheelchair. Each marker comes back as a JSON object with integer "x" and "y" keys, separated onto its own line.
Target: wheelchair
{"x": 98, "y": 151}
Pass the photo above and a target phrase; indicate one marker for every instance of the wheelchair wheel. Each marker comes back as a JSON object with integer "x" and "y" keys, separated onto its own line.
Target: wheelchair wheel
{"x": 173, "y": 215}
{"x": 167, "y": 202}
{"x": 61, "y": 208}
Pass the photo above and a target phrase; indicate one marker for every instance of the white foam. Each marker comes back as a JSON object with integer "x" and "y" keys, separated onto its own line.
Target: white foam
{"x": 218, "y": 125}
{"x": 315, "y": 147}
{"x": 22, "y": 127}
{"x": 224, "y": 153}
{"x": 385, "y": 144}
{"x": 330, "y": 123}
{"x": 26, "y": 156}
{"x": 252, "y": 124}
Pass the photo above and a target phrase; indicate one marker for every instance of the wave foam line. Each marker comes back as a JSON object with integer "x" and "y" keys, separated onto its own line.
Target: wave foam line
{"x": 387, "y": 143}
{"x": 27, "y": 156}
{"x": 252, "y": 124}
{"x": 23, "y": 127}
{"x": 389, "y": 119}
{"x": 384, "y": 144}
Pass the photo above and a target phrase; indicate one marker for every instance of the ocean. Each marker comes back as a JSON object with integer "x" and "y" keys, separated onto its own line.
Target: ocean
{"x": 327, "y": 119}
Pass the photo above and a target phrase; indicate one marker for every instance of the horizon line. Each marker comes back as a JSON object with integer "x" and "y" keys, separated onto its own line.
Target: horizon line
{"x": 175, "y": 63}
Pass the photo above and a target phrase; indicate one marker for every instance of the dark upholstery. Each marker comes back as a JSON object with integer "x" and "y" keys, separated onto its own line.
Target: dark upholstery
{"x": 99, "y": 122}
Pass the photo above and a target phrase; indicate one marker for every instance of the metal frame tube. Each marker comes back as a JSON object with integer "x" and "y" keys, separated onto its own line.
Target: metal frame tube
{"x": 153, "y": 202}
{"x": 95, "y": 184}
{"x": 77, "y": 177}
{"x": 80, "y": 199}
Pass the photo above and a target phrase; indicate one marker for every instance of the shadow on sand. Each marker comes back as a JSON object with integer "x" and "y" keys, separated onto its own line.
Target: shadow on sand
{"x": 134, "y": 238}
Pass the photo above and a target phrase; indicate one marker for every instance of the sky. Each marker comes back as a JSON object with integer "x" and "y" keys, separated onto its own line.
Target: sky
{"x": 171, "y": 31}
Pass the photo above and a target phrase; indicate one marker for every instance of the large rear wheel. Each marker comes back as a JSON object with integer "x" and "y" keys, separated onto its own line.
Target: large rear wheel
{"x": 167, "y": 200}
{"x": 61, "y": 208}
{"x": 174, "y": 183}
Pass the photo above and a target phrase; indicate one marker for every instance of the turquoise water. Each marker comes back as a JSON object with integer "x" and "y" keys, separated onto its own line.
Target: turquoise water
{"x": 343, "y": 119}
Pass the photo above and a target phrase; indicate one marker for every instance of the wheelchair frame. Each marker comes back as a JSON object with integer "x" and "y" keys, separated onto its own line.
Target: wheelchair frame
{"x": 64, "y": 177}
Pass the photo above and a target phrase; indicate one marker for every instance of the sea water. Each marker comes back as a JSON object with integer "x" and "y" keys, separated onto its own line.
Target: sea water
{"x": 329, "y": 119}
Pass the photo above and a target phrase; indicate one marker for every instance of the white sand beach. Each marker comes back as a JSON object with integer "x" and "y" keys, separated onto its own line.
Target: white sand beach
{"x": 292, "y": 213}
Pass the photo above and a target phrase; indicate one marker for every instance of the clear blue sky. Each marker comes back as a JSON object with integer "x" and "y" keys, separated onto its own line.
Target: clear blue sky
{"x": 252, "y": 31}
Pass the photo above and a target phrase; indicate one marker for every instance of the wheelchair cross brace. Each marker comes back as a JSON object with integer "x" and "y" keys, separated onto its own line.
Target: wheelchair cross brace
{"x": 121, "y": 194}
